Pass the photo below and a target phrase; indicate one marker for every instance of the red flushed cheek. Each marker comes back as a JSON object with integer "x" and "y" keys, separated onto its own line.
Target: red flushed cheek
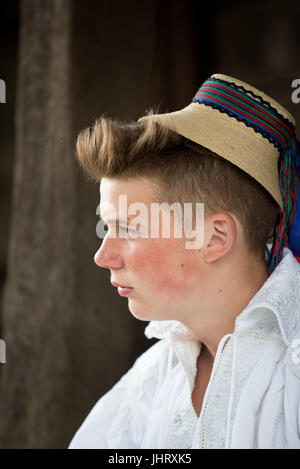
{"x": 158, "y": 270}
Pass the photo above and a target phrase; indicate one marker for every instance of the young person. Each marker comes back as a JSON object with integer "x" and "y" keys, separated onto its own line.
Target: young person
{"x": 226, "y": 370}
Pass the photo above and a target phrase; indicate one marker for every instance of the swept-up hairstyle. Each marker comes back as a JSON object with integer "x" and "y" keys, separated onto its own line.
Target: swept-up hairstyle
{"x": 183, "y": 171}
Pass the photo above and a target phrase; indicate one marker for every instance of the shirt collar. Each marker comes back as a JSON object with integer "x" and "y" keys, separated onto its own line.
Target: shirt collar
{"x": 279, "y": 298}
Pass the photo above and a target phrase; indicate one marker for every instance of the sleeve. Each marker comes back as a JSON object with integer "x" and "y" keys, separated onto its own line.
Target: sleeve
{"x": 119, "y": 418}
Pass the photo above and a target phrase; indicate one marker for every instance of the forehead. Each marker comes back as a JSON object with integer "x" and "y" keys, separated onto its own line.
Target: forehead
{"x": 140, "y": 190}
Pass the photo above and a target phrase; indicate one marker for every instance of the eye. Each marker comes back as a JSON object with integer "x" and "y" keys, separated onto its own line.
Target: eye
{"x": 128, "y": 230}
{"x": 101, "y": 229}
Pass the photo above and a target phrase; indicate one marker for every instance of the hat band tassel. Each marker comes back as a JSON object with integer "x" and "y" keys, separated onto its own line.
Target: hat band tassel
{"x": 253, "y": 111}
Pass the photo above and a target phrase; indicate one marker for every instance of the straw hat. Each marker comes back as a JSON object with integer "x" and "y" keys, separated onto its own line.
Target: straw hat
{"x": 246, "y": 127}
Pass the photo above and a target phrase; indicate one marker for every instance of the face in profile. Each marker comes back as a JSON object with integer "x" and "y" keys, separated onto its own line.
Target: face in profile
{"x": 163, "y": 275}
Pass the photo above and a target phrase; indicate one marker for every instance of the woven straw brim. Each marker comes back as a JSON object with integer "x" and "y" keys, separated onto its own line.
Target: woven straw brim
{"x": 230, "y": 138}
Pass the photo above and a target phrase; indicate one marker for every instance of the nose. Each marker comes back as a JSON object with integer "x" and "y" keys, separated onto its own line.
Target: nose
{"x": 107, "y": 255}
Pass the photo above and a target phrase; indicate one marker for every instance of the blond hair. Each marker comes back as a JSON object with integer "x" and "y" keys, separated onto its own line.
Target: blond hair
{"x": 183, "y": 170}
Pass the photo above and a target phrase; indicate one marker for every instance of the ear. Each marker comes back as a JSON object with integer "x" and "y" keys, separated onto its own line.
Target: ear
{"x": 221, "y": 235}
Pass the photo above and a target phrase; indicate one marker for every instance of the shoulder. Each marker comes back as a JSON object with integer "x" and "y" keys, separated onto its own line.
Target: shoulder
{"x": 290, "y": 390}
{"x": 119, "y": 417}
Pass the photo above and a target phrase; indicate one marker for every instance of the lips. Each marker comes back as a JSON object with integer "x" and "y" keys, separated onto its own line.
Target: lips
{"x": 119, "y": 285}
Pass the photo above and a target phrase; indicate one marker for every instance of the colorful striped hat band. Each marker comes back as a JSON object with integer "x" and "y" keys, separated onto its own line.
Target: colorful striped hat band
{"x": 253, "y": 111}
{"x": 254, "y": 132}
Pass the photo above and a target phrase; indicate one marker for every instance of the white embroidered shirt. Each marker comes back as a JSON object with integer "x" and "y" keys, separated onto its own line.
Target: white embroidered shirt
{"x": 253, "y": 396}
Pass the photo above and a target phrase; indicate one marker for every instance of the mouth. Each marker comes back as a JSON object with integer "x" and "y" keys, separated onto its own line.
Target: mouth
{"x": 122, "y": 289}
{"x": 121, "y": 286}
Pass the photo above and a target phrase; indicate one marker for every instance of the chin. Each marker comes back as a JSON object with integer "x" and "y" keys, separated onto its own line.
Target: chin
{"x": 145, "y": 313}
{"x": 140, "y": 312}
{"x": 141, "y": 315}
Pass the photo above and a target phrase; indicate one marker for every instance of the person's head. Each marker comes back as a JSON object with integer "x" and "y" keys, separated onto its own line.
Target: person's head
{"x": 150, "y": 163}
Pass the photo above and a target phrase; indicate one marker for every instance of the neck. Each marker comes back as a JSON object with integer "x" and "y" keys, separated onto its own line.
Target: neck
{"x": 224, "y": 302}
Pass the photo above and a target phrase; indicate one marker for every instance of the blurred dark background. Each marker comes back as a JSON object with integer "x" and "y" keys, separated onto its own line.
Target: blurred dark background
{"x": 69, "y": 336}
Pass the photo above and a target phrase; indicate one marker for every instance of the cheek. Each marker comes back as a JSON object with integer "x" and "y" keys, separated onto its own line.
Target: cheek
{"x": 156, "y": 268}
